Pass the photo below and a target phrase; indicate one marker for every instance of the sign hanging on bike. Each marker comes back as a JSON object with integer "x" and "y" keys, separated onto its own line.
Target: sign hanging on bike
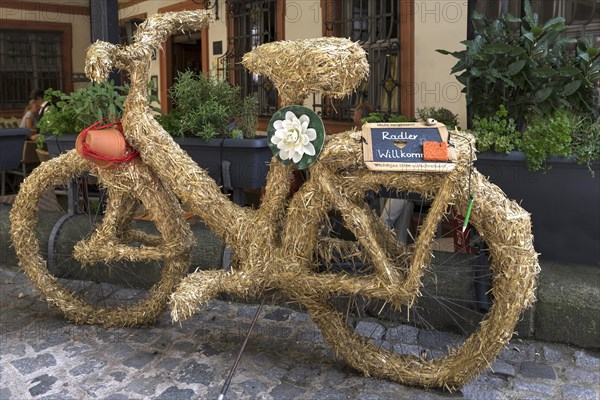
{"x": 413, "y": 146}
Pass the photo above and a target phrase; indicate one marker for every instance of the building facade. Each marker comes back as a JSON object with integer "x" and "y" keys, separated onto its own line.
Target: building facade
{"x": 42, "y": 44}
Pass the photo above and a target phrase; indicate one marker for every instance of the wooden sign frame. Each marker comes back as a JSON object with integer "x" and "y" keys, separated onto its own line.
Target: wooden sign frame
{"x": 396, "y": 146}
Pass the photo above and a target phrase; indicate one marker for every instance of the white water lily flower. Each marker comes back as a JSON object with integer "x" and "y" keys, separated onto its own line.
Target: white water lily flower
{"x": 293, "y": 137}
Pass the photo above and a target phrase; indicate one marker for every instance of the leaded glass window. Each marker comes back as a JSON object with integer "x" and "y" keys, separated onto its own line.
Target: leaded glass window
{"x": 28, "y": 61}
{"x": 375, "y": 25}
{"x": 581, "y": 16}
{"x": 252, "y": 23}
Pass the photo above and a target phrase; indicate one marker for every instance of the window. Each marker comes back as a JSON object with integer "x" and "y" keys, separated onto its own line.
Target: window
{"x": 582, "y": 17}
{"x": 250, "y": 24}
{"x": 28, "y": 61}
{"x": 376, "y": 26}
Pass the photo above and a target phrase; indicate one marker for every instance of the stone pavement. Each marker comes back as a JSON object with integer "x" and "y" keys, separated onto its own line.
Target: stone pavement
{"x": 44, "y": 357}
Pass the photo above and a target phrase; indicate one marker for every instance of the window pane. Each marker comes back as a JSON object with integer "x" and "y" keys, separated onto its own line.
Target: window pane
{"x": 28, "y": 61}
{"x": 581, "y": 16}
{"x": 254, "y": 23}
{"x": 375, "y": 24}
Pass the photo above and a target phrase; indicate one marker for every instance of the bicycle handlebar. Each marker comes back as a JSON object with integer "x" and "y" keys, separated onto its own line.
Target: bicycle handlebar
{"x": 102, "y": 57}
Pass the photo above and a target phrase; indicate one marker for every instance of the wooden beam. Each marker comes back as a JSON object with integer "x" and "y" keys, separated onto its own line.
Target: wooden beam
{"x": 46, "y": 7}
{"x": 407, "y": 57}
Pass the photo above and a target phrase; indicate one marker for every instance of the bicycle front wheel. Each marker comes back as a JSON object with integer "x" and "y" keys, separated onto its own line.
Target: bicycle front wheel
{"x": 448, "y": 327}
{"x": 100, "y": 266}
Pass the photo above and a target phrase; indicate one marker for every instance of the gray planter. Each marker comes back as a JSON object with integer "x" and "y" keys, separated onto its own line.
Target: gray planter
{"x": 60, "y": 144}
{"x": 564, "y": 203}
{"x": 233, "y": 163}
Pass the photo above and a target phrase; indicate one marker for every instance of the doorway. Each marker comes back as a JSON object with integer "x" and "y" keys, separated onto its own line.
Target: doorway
{"x": 187, "y": 54}
{"x": 181, "y": 52}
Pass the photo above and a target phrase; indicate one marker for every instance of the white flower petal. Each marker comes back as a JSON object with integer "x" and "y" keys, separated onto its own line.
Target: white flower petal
{"x": 309, "y": 149}
{"x": 280, "y": 133}
{"x": 278, "y": 124}
{"x": 290, "y": 116}
{"x": 283, "y": 154}
{"x": 297, "y": 157}
{"x": 275, "y": 139}
{"x": 311, "y": 134}
{"x": 304, "y": 126}
{"x": 304, "y": 118}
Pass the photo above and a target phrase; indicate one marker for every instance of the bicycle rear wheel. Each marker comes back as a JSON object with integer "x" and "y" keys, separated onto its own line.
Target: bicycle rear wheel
{"x": 455, "y": 334}
{"x": 105, "y": 268}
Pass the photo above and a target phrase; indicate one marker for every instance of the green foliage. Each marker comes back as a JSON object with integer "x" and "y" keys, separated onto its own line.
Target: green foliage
{"x": 440, "y": 114}
{"x": 530, "y": 71}
{"x": 585, "y": 141}
{"x": 206, "y": 106}
{"x": 547, "y": 137}
{"x": 248, "y": 118}
{"x": 375, "y": 117}
{"x": 498, "y": 133}
{"x": 74, "y": 112}
{"x": 563, "y": 133}
{"x": 40, "y": 142}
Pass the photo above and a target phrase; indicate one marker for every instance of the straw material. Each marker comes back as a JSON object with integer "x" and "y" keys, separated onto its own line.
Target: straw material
{"x": 331, "y": 66}
{"x": 278, "y": 247}
{"x": 338, "y": 181}
{"x": 110, "y": 242}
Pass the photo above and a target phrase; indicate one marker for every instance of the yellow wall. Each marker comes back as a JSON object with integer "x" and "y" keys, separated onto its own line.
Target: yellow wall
{"x": 439, "y": 25}
{"x": 148, "y": 7}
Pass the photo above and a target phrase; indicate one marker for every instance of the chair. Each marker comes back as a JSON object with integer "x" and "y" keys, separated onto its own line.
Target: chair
{"x": 11, "y": 152}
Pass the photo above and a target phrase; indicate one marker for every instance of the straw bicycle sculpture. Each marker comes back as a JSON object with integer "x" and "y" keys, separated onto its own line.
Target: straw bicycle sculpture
{"x": 281, "y": 246}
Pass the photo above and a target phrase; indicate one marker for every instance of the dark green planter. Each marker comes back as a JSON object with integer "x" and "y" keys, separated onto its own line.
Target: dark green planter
{"x": 60, "y": 144}
{"x": 564, "y": 203}
{"x": 247, "y": 158}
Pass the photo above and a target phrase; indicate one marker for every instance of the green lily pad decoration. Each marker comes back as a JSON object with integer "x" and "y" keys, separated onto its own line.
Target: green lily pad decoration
{"x": 296, "y": 135}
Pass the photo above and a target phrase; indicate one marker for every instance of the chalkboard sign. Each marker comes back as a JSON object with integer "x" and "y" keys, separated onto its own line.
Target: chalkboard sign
{"x": 399, "y": 147}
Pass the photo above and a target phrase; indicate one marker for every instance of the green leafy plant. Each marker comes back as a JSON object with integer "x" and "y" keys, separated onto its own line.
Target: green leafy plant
{"x": 71, "y": 113}
{"x": 526, "y": 66}
{"x": 497, "y": 133}
{"x": 547, "y": 137}
{"x": 206, "y": 106}
{"x": 440, "y": 114}
{"x": 40, "y": 142}
{"x": 248, "y": 119}
{"x": 585, "y": 141}
{"x": 375, "y": 117}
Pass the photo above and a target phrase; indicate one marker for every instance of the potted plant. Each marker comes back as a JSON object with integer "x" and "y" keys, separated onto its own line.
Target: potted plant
{"x": 70, "y": 113}
{"x": 440, "y": 114}
{"x": 534, "y": 111}
{"x": 217, "y": 128}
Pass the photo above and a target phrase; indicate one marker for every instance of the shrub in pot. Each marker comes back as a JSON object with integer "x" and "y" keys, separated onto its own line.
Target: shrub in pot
{"x": 531, "y": 96}
{"x": 217, "y": 128}
{"x": 70, "y": 113}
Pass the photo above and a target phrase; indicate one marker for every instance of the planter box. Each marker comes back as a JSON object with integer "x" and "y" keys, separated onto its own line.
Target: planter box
{"x": 60, "y": 144}
{"x": 248, "y": 159}
{"x": 563, "y": 202}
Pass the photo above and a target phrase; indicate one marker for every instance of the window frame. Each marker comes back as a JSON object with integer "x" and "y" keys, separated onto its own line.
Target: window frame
{"x": 573, "y": 26}
{"x": 406, "y": 55}
{"x": 39, "y": 26}
{"x": 232, "y": 34}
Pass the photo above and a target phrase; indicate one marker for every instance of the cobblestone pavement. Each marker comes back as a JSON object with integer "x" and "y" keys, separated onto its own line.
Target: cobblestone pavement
{"x": 45, "y": 357}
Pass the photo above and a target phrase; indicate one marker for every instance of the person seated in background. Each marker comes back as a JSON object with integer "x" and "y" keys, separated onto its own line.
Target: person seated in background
{"x": 30, "y": 117}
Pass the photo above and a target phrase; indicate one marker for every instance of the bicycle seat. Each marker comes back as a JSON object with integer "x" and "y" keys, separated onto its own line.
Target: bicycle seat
{"x": 328, "y": 65}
